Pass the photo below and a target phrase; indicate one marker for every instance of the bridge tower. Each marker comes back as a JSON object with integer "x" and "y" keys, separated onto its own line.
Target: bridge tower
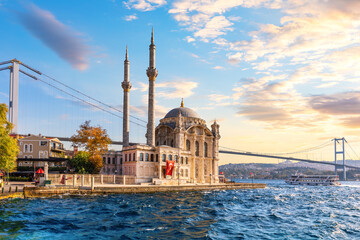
{"x": 342, "y": 152}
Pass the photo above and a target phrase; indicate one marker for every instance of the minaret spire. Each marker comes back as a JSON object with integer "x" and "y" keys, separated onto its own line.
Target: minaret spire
{"x": 152, "y": 73}
{"x": 152, "y": 36}
{"x": 126, "y": 55}
{"x": 126, "y": 85}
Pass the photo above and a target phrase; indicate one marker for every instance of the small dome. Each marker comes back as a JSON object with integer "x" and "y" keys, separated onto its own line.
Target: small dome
{"x": 185, "y": 112}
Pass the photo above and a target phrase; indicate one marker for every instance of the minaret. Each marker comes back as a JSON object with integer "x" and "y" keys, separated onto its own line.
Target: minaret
{"x": 126, "y": 85}
{"x": 152, "y": 73}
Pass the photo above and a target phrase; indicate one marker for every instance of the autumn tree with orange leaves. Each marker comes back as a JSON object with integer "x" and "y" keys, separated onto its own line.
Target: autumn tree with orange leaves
{"x": 95, "y": 141}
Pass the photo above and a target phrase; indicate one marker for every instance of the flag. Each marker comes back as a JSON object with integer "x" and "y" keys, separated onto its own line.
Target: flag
{"x": 169, "y": 167}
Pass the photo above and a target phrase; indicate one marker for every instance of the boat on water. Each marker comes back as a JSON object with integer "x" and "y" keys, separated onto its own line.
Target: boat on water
{"x": 314, "y": 180}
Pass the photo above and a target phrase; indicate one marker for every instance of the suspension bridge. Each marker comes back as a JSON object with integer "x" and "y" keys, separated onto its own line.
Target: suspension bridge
{"x": 77, "y": 97}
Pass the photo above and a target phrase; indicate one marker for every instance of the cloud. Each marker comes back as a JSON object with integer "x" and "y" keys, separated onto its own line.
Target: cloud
{"x": 130, "y": 17}
{"x": 189, "y": 39}
{"x": 217, "y": 26}
{"x": 144, "y": 5}
{"x": 219, "y": 67}
{"x": 352, "y": 122}
{"x": 337, "y": 104}
{"x": 65, "y": 42}
{"x": 171, "y": 89}
{"x": 176, "y": 89}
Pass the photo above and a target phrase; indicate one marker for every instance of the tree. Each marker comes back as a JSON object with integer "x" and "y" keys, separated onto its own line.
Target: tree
{"x": 94, "y": 140}
{"x": 8, "y": 145}
{"x": 82, "y": 164}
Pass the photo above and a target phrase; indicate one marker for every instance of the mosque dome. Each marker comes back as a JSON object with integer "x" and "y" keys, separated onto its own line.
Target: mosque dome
{"x": 185, "y": 112}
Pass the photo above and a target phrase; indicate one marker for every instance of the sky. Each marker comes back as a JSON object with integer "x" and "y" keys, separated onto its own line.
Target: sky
{"x": 278, "y": 76}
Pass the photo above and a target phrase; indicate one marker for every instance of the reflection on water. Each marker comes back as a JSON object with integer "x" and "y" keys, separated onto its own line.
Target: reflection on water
{"x": 278, "y": 212}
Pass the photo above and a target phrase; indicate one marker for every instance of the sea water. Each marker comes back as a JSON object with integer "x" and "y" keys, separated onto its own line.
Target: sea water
{"x": 279, "y": 211}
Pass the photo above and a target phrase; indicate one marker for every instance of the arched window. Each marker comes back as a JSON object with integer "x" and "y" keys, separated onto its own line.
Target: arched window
{"x": 187, "y": 145}
{"x": 25, "y": 148}
{"x": 205, "y": 149}
{"x": 146, "y": 157}
{"x": 141, "y": 157}
{"x": 163, "y": 158}
{"x": 176, "y": 158}
{"x": 197, "y": 152}
{"x": 30, "y": 147}
{"x": 170, "y": 157}
{"x": 182, "y": 160}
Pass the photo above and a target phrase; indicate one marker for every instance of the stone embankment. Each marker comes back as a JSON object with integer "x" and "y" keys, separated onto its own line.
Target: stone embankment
{"x": 49, "y": 191}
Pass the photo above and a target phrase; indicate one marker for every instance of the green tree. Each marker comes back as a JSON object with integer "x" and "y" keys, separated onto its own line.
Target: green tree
{"x": 94, "y": 140}
{"x": 82, "y": 164}
{"x": 8, "y": 145}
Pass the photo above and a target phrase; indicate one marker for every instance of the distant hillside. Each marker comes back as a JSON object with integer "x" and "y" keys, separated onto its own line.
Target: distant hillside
{"x": 279, "y": 171}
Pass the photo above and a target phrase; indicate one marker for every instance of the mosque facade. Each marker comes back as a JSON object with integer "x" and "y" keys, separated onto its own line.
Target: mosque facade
{"x": 182, "y": 139}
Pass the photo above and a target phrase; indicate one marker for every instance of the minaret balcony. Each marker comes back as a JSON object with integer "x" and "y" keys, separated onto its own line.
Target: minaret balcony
{"x": 152, "y": 72}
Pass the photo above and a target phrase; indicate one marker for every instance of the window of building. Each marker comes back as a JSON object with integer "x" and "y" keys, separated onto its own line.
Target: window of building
{"x": 186, "y": 172}
{"x": 205, "y": 149}
{"x": 146, "y": 157}
{"x": 182, "y": 160}
{"x": 182, "y": 172}
{"x": 125, "y": 157}
{"x": 41, "y": 154}
{"x": 157, "y": 158}
{"x": 197, "y": 152}
{"x": 45, "y": 154}
{"x": 170, "y": 157}
{"x": 25, "y": 148}
{"x": 43, "y": 143}
{"x": 186, "y": 160}
{"x": 164, "y": 142}
{"x": 141, "y": 157}
{"x": 104, "y": 160}
{"x": 176, "y": 159}
{"x": 25, "y": 156}
{"x": 152, "y": 157}
{"x": 134, "y": 157}
{"x": 172, "y": 143}
{"x": 163, "y": 158}
{"x": 30, "y": 147}
{"x": 114, "y": 162}
{"x": 109, "y": 160}
{"x": 121, "y": 160}
{"x": 157, "y": 143}
{"x": 188, "y": 145}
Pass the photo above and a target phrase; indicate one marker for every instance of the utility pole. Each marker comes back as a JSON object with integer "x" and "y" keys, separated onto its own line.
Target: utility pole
{"x": 342, "y": 152}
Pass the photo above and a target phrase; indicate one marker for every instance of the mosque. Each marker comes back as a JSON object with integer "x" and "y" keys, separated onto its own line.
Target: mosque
{"x": 181, "y": 139}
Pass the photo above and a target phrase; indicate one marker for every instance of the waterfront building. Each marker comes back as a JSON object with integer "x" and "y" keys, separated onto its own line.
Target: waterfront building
{"x": 35, "y": 150}
{"x": 182, "y": 136}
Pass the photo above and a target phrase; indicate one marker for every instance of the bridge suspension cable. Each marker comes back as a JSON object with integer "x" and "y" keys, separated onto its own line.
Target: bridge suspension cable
{"x": 323, "y": 145}
{"x": 84, "y": 101}
{"x": 98, "y": 101}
